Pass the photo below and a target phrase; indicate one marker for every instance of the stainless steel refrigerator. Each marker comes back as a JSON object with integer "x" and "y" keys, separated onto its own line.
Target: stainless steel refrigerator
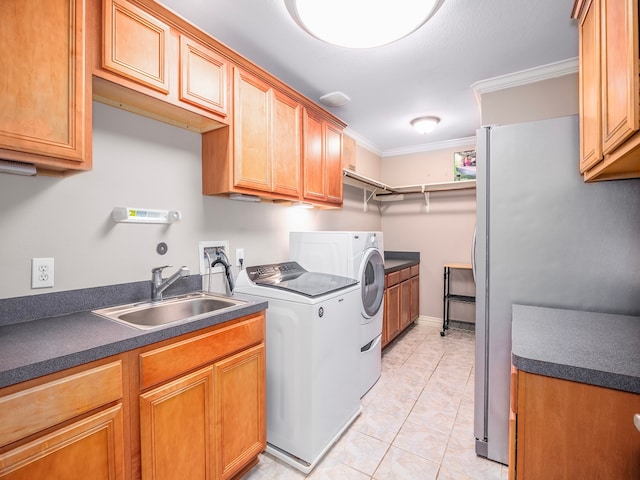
{"x": 546, "y": 238}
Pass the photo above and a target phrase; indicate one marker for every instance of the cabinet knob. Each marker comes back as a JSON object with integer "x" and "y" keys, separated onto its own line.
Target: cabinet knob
{"x": 636, "y": 420}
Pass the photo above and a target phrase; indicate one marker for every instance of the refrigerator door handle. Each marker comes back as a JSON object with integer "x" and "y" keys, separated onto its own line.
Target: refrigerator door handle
{"x": 473, "y": 253}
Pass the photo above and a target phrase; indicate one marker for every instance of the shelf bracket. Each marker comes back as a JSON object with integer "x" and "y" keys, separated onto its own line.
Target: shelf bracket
{"x": 366, "y": 199}
{"x": 426, "y": 199}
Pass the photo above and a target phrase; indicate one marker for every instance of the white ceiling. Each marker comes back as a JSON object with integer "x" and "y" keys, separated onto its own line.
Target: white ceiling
{"x": 430, "y": 72}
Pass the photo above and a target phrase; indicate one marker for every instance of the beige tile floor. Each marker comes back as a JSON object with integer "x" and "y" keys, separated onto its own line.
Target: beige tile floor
{"x": 417, "y": 421}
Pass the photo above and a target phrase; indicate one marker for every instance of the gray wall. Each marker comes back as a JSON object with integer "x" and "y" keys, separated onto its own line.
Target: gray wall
{"x": 140, "y": 162}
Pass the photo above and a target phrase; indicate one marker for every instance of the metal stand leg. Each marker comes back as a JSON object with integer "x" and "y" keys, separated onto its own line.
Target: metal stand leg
{"x": 445, "y": 302}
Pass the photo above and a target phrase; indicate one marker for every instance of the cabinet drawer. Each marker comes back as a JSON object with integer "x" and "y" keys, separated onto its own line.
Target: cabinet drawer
{"x": 164, "y": 363}
{"x": 405, "y": 273}
{"x": 415, "y": 270}
{"x": 32, "y": 410}
{"x": 392, "y": 279}
{"x": 92, "y": 447}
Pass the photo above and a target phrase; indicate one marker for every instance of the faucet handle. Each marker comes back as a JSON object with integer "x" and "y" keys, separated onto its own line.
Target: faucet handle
{"x": 159, "y": 269}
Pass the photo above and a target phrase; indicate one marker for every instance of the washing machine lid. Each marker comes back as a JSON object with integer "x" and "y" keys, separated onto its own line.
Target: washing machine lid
{"x": 292, "y": 277}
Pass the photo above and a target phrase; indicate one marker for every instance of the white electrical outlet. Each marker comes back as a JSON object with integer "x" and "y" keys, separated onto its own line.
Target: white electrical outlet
{"x": 210, "y": 246}
{"x": 41, "y": 272}
{"x": 239, "y": 256}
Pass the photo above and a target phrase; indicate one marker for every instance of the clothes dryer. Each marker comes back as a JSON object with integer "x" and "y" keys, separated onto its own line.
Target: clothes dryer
{"x": 358, "y": 255}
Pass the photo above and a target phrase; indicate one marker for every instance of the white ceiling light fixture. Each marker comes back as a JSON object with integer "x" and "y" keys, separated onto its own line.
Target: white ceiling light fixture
{"x": 361, "y": 23}
{"x": 425, "y": 124}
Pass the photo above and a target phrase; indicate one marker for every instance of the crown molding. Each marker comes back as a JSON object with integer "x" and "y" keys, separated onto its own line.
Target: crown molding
{"x": 429, "y": 147}
{"x": 523, "y": 77}
{"x": 363, "y": 142}
{"x": 425, "y": 147}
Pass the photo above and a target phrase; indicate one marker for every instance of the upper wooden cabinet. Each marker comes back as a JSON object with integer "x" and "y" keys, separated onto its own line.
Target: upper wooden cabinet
{"x": 609, "y": 88}
{"x": 142, "y": 57}
{"x": 322, "y": 161}
{"x": 45, "y": 117}
{"x": 203, "y": 76}
{"x": 348, "y": 153}
{"x": 136, "y": 45}
{"x": 260, "y": 153}
{"x": 184, "y": 80}
{"x": 287, "y": 144}
{"x": 252, "y": 132}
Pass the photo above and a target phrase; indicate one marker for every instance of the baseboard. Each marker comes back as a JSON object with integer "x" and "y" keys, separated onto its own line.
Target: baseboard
{"x": 430, "y": 321}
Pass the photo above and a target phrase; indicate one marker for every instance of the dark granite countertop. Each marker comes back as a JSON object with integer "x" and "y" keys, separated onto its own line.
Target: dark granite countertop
{"x": 394, "y": 261}
{"x": 593, "y": 348}
{"x": 34, "y": 348}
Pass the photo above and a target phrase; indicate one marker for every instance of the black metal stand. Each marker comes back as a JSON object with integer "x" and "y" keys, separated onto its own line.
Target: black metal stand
{"x": 451, "y": 297}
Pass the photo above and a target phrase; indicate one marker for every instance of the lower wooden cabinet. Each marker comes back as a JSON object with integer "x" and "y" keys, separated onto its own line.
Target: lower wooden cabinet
{"x": 401, "y": 301}
{"x": 209, "y": 423}
{"x": 193, "y": 407}
{"x": 391, "y": 319}
{"x": 566, "y": 430}
{"x": 65, "y": 427}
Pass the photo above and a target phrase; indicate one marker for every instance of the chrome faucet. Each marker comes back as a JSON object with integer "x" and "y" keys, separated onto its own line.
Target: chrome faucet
{"x": 159, "y": 284}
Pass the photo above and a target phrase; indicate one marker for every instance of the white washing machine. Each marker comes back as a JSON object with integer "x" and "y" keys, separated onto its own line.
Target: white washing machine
{"x": 312, "y": 358}
{"x": 357, "y": 255}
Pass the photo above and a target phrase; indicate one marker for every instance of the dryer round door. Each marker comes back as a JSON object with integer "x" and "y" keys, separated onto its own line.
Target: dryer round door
{"x": 372, "y": 282}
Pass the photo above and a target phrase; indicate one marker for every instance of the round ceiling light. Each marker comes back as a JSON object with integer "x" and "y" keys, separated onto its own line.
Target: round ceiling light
{"x": 361, "y": 23}
{"x": 425, "y": 124}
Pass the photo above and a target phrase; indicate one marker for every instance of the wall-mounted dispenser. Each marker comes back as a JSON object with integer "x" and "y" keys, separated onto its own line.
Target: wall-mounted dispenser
{"x": 144, "y": 215}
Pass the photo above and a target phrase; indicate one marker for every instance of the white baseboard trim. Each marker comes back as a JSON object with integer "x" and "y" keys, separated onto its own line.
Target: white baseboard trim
{"x": 430, "y": 321}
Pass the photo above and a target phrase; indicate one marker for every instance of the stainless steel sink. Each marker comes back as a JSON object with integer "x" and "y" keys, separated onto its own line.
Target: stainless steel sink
{"x": 146, "y": 316}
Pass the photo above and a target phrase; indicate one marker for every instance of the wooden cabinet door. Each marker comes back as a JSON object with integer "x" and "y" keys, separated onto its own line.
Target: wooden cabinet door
{"x": 252, "y": 135}
{"x": 513, "y": 412}
{"x": 579, "y": 430}
{"x": 203, "y": 77}
{"x": 385, "y": 321}
{"x": 176, "y": 429}
{"x": 348, "y": 153}
{"x": 333, "y": 163}
{"x": 405, "y": 304}
{"x": 322, "y": 161}
{"x": 392, "y": 310}
{"x": 314, "y": 158}
{"x": 590, "y": 88}
{"x": 287, "y": 145}
{"x": 240, "y": 403}
{"x": 620, "y": 82}
{"x": 89, "y": 448}
{"x": 46, "y": 102}
{"x": 135, "y": 45}
{"x": 414, "y": 308}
